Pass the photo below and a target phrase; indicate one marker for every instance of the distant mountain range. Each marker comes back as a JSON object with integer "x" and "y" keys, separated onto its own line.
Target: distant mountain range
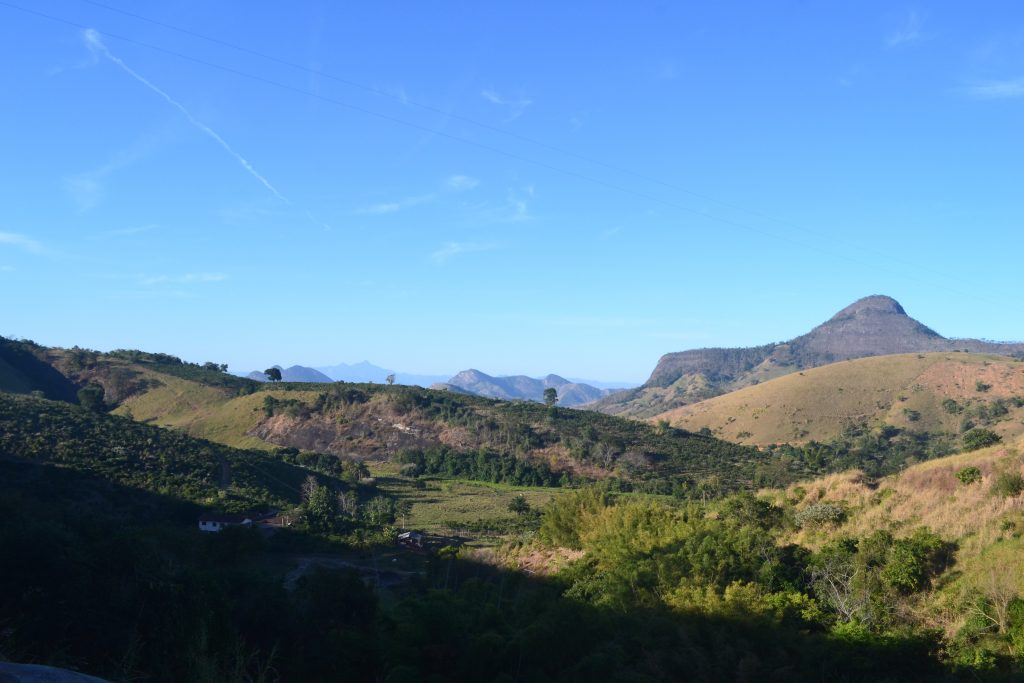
{"x": 521, "y": 387}
{"x": 343, "y": 372}
{"x": 296, "y": 373}
{"x": 872, "y": 326}
{"x": 368, "y": 372}
{"x": 571, "y": 392}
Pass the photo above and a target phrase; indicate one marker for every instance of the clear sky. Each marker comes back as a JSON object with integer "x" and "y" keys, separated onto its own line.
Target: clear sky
{"x": 519, "y": 187}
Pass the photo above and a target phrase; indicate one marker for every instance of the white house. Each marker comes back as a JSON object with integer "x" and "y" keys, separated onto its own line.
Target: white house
{"x": 214, "y": 522}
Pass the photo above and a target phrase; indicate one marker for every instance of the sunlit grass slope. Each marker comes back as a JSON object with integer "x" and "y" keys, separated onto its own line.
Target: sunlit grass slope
{"x": 983, "y": 520}
{"x": 906, "y": 391}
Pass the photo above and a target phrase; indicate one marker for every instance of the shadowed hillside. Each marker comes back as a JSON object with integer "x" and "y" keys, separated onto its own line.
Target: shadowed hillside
{"x": 873, "y": 326}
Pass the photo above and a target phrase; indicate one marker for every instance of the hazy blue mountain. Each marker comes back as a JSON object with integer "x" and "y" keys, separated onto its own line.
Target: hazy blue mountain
{"x": 296, "y": 373}
{"x": 368, "y": 372}
{"x": 521, "y": 387}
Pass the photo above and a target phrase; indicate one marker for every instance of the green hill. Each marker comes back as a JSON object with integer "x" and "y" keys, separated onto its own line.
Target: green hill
{"x": 395, "y": 423}
{"x": 25, "y": 368}
{"x": 145, "y": 458}
{"x": 933, "y": 394}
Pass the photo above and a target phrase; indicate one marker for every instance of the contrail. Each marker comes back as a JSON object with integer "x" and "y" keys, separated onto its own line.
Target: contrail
{"x": 93, "y": 42}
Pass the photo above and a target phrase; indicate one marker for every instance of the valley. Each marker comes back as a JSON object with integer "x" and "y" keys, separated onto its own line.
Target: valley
{"x": 861, "y": 516}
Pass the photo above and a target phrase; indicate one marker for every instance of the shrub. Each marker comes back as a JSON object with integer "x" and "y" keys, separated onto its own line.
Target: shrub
{"x": 981, "y": 386}
{"x": 819, "y": 514}
{"x": 1008, "y": 485}
{"x": 969, "y": 475}
{"x": 980, "y": 438}
{"x": 951, "y": 406}
{"x": 911, "y": 562}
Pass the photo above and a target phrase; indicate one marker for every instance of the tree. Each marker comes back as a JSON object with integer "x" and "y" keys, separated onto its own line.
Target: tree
{"x": 519, "y": 505}
{"x": 320, "y": 508}
{"x": 550, "y": 397}
{"x": 980, "y": 438}
{"x": 390, "y": 379}
{"x": 91, "y": 398}
{"x": 273, "y": 374}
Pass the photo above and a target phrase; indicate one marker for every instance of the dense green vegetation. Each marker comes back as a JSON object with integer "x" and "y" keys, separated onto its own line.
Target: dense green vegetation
{"x": 484, "y": 465}
{"x": 124, "y": 587}
{"x": 144, "y": 457}
{"x": 728, "y": 559}
{"x": 104, "y": 571}
{"x": 876, "y": 452}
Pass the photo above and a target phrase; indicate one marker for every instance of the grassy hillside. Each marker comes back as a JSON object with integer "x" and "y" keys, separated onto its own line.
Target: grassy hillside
{"x": 934, "y": 393}
{"x": 385, "y": 423}
{"x": 973, "y": 501}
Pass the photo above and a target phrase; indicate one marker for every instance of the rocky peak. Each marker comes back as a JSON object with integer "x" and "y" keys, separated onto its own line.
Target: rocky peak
{"x": 871, "y": 305}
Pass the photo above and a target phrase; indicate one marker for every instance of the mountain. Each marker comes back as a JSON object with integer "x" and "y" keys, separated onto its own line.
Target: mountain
{"x": 368, "y": 372}
{"x": 933, "y": 396}
{"x": 872, "y": 326}
{"x": 296, "y": 373}
{"x": 523, "y": 388}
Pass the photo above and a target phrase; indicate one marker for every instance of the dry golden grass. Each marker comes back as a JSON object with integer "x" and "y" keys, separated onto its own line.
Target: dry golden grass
{"x": 818, "y": 404}
{"x": 928, "y": 494}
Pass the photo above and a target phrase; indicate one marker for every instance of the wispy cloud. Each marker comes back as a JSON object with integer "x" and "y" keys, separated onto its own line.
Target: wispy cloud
{"x": 517, "y": 207}
{"x": 461, "y": 183}
{"x": 94, "y": 43}
{"x": 88, "y": 188}
{"x": 453, "y": 249}
{"x": 6, "y": 269}
{"x": 997, "y": 90}
{"x": 25, "y": 242}
{"x": 455, "y": 183}
{"x": 516, "y": 106}
{"x": 514, "y": 209}
{"x": 909, "y": 33}
{"x": 395, "y": 206}
{"x": 187, "y": 278}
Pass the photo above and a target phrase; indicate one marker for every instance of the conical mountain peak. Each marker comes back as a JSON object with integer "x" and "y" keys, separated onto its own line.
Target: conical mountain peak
{"x": 870, "y": 305}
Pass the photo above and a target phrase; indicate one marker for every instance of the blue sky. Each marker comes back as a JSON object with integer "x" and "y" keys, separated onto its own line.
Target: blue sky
{"x": 512, "y": 186}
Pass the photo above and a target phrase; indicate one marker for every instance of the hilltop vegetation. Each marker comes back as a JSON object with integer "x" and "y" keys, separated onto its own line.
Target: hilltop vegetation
{"x": 24, "y": 369}
{"x": 143, "y": 457}
{"x": 552, "y": 446}
{"x": 937, "y": 396}
{"x": 873, "y": 326}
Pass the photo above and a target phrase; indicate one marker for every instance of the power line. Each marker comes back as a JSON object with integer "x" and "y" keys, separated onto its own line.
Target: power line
{"x": 490, "y": 148}
{"x": 497, "y": 129}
